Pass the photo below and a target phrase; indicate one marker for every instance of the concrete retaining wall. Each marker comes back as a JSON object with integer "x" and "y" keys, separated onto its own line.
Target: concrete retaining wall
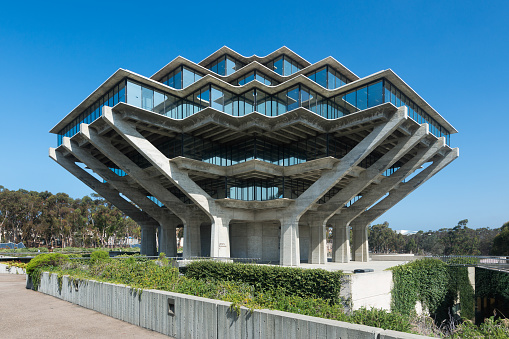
{"x": 186, "y": 316}
{"x": 11, "y": 270}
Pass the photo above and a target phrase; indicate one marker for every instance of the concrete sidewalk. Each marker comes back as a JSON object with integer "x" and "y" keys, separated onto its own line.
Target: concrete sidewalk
{"x": 29, "y": 314}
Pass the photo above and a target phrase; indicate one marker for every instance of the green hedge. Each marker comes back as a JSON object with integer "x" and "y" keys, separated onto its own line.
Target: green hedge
{"x": 309, "y": 283}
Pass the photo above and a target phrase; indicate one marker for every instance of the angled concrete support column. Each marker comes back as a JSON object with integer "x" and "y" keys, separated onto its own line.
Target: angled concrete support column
{"x": 134, "y": 171}
{"x": 341, "y": 243}
{"x": 360, "y": 243}
{"x": 192, "y": 238}
{"x": 148, "y": 240}
{"x": 104, "y": 189}
{"x": 317, "y": 243}
{"x": 404, "y": 189}
{"x": 289, "y": 253}
{"x": 220, "y": 237}
{"x": 356, "y": 186}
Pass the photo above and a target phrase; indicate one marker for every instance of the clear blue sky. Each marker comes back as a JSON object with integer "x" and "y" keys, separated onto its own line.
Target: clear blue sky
{"x": 455, "y": 54}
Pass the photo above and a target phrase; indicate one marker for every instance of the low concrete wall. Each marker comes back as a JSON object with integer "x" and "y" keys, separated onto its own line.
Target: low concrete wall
{"x": 11, "y": 270}
{"x": 186, "y": 316}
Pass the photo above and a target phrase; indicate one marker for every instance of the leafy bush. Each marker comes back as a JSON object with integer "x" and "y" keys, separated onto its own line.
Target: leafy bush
{"x": 46, "y": 259}
{"x": 99, "y": 255}
{"x": 382, "y": 319}
{"x": 316, "y": 283}
{"x": 436, "y": 285}
{"x": 490, "y": 328}
{"x": 421, "y": 280}
{"x": 16, "y": 264}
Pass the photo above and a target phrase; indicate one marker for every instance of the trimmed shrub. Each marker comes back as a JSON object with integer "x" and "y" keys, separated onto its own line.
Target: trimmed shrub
{"x": 308, "y": 283}
{"x": 99, "y": 255}
{"x": 46, "y": 259}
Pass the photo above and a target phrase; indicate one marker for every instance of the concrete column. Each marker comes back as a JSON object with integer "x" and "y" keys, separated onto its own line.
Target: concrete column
{"x": 360, "y": 243}
{"x": 289, "y": 253}
{"x": 192, "y": 241}
{"x": 317, "y": 243}
{"x": 148, "y": 240}
{"x": 341, "y": 243}
{"x": 168, "y": 239}
{"x": 220, "y": 237}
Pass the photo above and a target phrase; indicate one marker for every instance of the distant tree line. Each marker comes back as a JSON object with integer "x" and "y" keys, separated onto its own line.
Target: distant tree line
{"x": 458, "y": 240}
{"x": 57, "y": 220}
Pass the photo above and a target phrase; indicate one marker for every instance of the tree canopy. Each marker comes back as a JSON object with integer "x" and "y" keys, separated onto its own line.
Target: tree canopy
{"x": 43, "y": 218}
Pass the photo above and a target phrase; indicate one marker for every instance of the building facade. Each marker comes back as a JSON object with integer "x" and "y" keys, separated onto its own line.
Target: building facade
{"x": 255, "y": 157}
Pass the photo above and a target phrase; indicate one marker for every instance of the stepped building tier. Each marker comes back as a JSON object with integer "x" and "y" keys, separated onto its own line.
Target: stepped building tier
{"x": 255, "y": 157}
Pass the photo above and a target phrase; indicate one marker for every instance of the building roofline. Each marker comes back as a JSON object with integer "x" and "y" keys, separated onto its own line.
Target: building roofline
{"x": 178, "y": 61}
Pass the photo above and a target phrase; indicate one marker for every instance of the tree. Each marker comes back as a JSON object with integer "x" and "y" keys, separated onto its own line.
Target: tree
{"x": 501, "y": 241}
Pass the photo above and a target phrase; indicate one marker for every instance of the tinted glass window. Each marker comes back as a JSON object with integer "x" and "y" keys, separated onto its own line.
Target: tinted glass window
{"x": 133, "y": 94}
{"x": 375, "y": 93}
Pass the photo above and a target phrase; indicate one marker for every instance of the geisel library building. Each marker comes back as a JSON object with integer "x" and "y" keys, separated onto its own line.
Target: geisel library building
{"x": 255, "y": 157}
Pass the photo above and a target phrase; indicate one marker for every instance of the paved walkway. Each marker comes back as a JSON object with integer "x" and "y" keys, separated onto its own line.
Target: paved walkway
{"x": 29, "y": 314}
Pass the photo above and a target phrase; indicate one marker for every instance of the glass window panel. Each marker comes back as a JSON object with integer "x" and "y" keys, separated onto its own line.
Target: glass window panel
{"x": 312, "y": 77}
{"x": 187, "y": 77}
{"x": 278, "y": 65}
{"x": 228, "y": 102}
{"x": 287, "y": 66}
{"x": 249, "y": 78}
{"x": 375, "y": 94}
{"x": 242, "y": 105}
{"x": 221, "y": 67}
{"x": 249, "y": 101}
{"x": 293, "y": 98}
{"x": 330, "y": 80}
{"x": 362, "y": 98}
{"x": 121, "y": 92}
{"x": 110, "y": 99}
{"x": 321, "y": 77}
{"x": 204, "y": 98}
{"x": 305, "y": 97}
{"x": 158, "y": 102}
{"x": 230, "y": 66}
{"x": 133, "y": 94}
{"x": 147, "y": 98}
{"x": 337, "y": 81}
{"x": 217, "y": 98}
{"x": 351, "y": 98}
{"x": 260, "y": 102}
{"x": 387, "y": 92}
{"x": 178, "y": 80}
{"x": 281, "y": 102}
{"x": 214, "y": 67}
{"x": 295, "y": 67}
{"x": 169, "y": 106}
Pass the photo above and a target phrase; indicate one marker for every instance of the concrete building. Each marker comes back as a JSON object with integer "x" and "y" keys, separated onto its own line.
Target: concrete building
{"x": 255, "y": 157}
